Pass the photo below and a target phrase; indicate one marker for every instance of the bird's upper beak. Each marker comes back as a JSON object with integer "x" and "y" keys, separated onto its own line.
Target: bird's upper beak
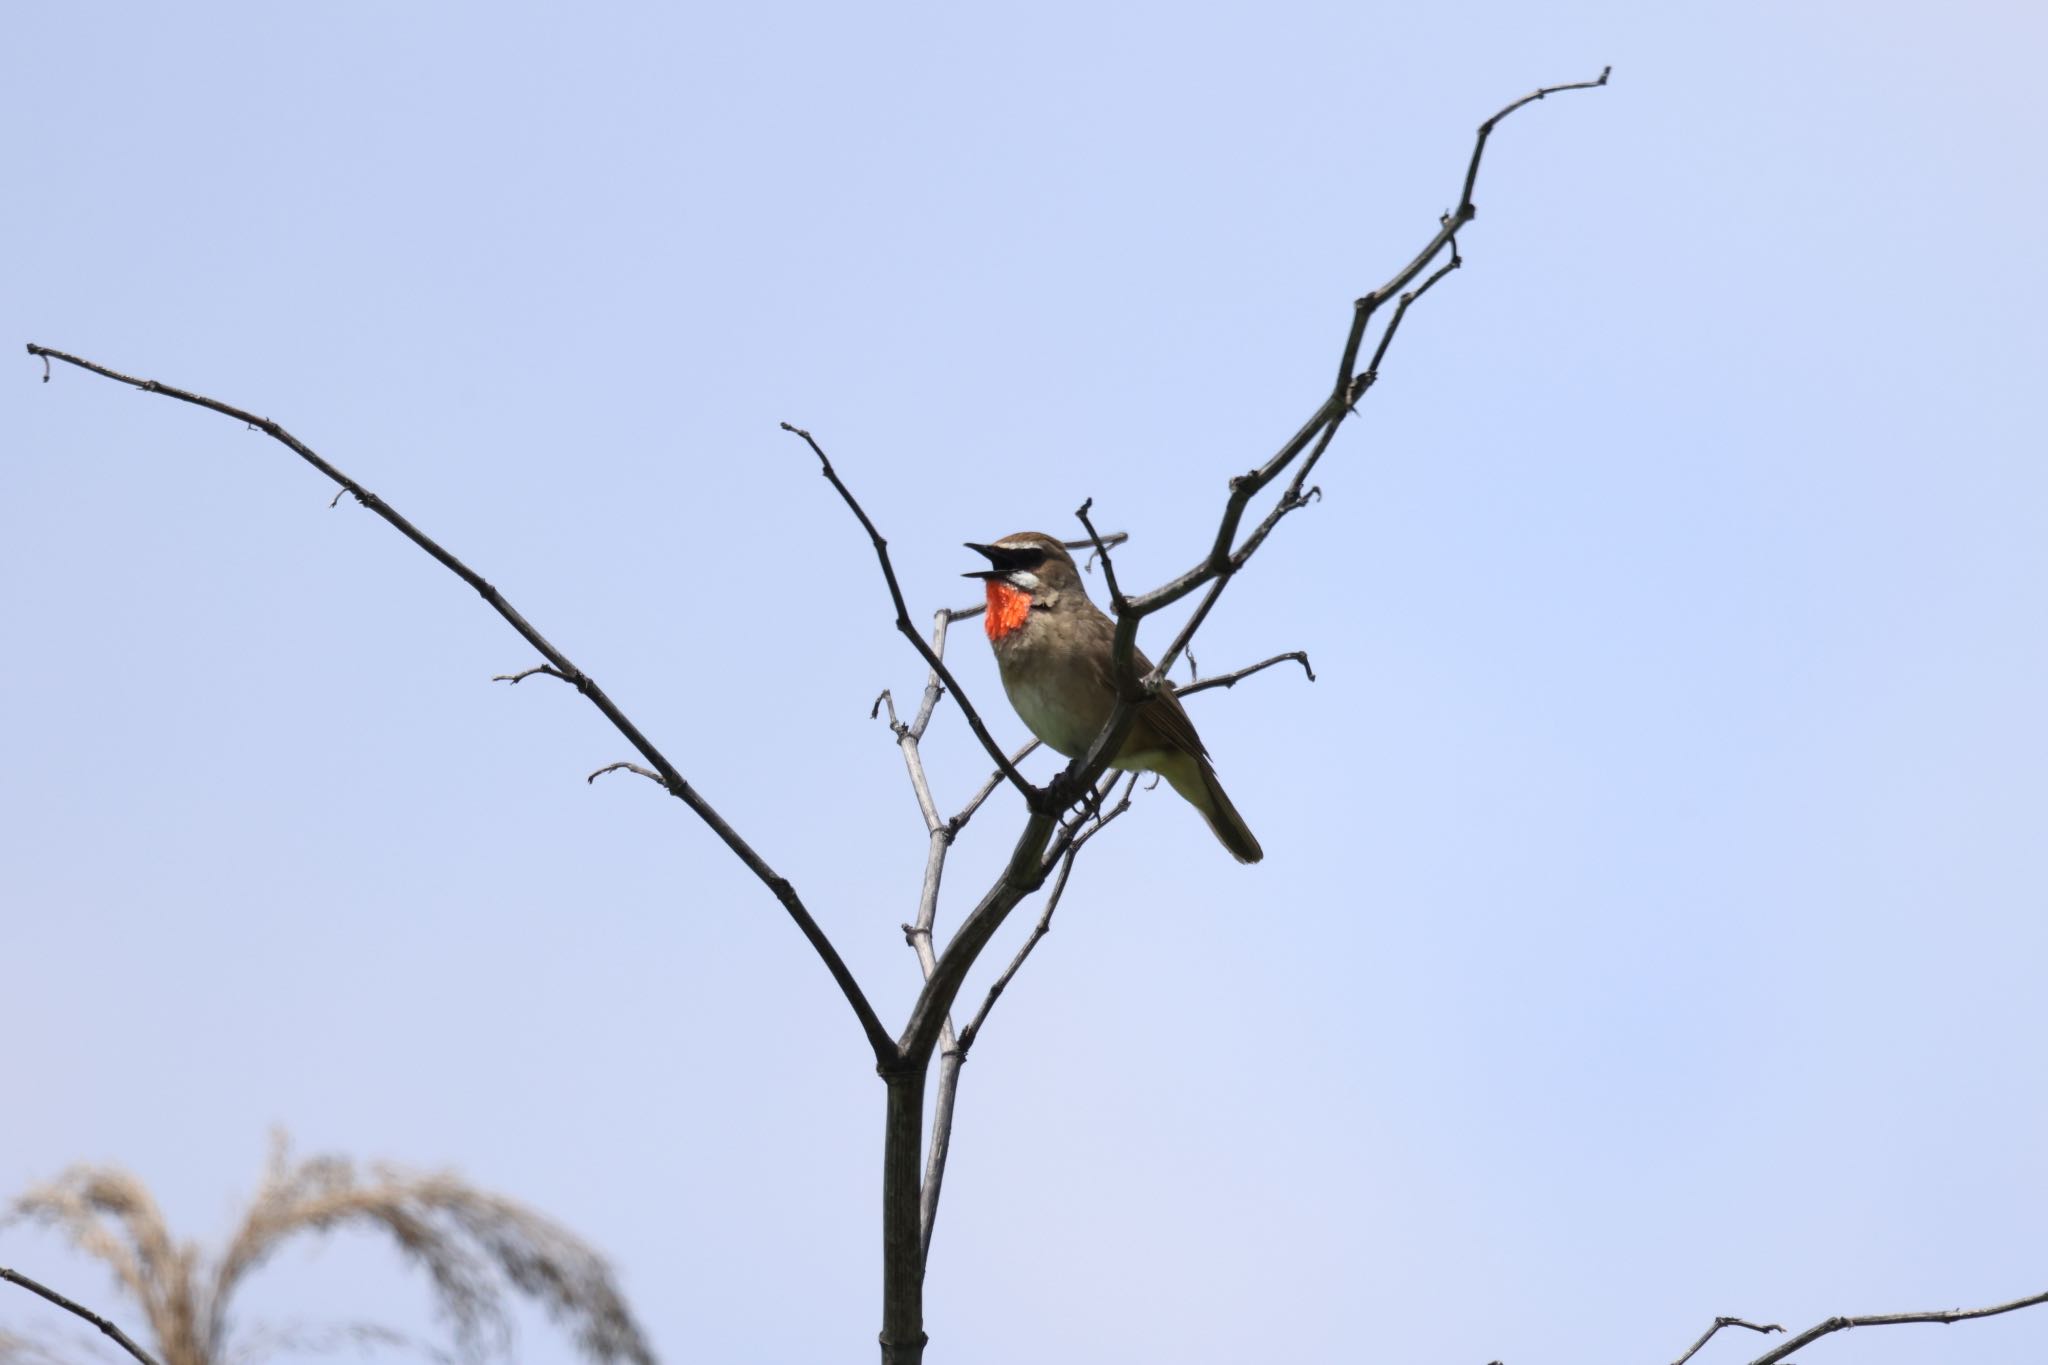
{"x": 1003, "y": 560}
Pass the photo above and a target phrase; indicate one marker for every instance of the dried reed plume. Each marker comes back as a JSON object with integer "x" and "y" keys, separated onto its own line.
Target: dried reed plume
{"x": 473, "y": 1245}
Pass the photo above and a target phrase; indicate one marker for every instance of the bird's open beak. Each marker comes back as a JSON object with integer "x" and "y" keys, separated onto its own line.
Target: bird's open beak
{"x": 1003, "y": 560}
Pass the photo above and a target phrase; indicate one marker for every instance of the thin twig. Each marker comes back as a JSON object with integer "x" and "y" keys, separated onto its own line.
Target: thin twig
{"x": 1101, "y": 551}
{"x": 888, "y": 700}
{"x": 1717, "y": 1325}
{"x": 1299, "y": 656}
{"x": 1038, "y": 931}
{"x": 987, "y": 789}
{"x": 120, "y": 1337}
{"x": 934, "y": 685}
{"x": 671, "y": 779}
{"x": 524, "y": 674}
{"x": 1486, "y": 128}
{"x": 1370, "y": 375}
{"x": 656, "y": 778}
{"x": 988, "y": 741}
{"x": 1943, "y": 1315}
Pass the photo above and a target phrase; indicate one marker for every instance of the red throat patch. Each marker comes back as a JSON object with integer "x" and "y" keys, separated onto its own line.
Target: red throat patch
{"x": 1007, "y": 609}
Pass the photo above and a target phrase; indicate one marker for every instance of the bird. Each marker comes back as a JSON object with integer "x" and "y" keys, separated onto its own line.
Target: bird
{"x": 1053, "y": 647}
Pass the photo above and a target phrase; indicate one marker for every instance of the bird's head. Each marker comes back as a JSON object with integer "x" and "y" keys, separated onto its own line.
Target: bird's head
{"x": 1025, "y": 570}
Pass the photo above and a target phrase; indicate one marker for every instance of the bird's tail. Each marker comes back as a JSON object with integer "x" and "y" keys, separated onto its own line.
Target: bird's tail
{"x": 1197, "y": 784}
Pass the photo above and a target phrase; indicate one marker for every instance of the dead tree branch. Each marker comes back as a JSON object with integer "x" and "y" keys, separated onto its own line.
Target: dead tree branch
{"x": 877, "y": 1036}
{"x": 1717, "y": 1325}
{"x": 953, "y": 1046}
{"x": 1232, "y": 679}
{"x": 120, "y": 1337}
{"x": 1226, "y": 554}
{"x": 623, "y": 766}
{"x": 1942, "y": 1315}
{"x": 1038, "y": 931}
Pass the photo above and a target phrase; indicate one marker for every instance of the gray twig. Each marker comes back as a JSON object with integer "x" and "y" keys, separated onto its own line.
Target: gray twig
{"x": 656, "y": 778}
{"x": 1101, "y": 551}
{"x": 120, "y": 1337}
{"x": 1299, "y": 656}
{"x": 1942, "y": 1315}
{"x": 543, "y": 669}
{"x": 1716, "y": 1325}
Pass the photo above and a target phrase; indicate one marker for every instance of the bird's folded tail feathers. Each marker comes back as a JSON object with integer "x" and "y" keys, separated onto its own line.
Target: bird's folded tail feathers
{"x": 1197, "y": 784}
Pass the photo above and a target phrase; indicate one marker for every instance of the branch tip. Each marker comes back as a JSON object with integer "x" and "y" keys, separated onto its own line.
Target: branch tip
{"x": 78, "y": 1310}
{"x": 656, "y": 778}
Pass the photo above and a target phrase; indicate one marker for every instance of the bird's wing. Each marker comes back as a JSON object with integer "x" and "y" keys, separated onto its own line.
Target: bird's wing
{"x": 1163, "y": 716}
{"x": 1167, "y": 717}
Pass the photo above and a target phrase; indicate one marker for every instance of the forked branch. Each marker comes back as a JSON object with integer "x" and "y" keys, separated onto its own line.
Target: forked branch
{"x": 1226, "y": 554}
{"x": 559, "y": 666}
{"x": 1716, "y": 1325}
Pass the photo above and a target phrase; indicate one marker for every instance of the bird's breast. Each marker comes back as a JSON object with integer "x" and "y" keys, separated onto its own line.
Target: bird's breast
{"x": 1049, "y": 707}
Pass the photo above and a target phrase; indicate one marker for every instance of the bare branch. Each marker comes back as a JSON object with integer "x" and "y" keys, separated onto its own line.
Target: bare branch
{"x": 951, "y": 1055}
{"x": 938, "y": 665}
{"x": 959, "y": 822}
{"x": 1299, "y": 656}
{"x": 1717, "y": 1325}
{"x": 1020, "y": 876}
{"x": 952, "y": 1046}
{"x": 120, "y": 1337}
{"x": 1486, "y": 128}
{"x": 1090, "y": 820}
{"x": 1370, "y": 375}
{"x": 654, "y": 777}
{"x": 519, "y": 677}
{"x": 934, "y": 685}
{"x": 671, "y": 779}
{"x": 1038, "y": 931}
{"x": 1942, "y": 1315}
{"x": 1101, "y": 551}
{"x": 1225, "y": 557}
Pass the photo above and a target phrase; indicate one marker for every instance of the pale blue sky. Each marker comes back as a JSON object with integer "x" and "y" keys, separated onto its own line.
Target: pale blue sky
{"x": 1652, "y": 923}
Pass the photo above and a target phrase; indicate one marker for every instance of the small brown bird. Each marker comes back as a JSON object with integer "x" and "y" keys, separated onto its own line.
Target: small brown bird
{"x": 1053, "y": 648}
